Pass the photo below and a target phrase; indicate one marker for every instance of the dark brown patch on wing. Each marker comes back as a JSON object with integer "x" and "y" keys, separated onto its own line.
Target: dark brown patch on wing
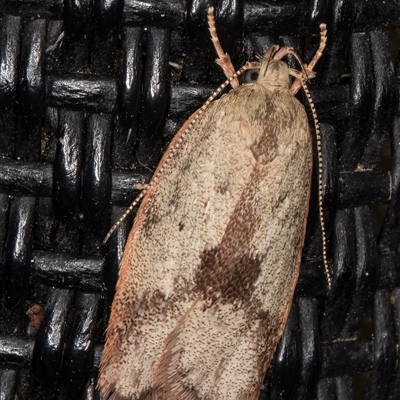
{"x": 153, "y": 395}
{"x": 226, "y": 278}
{"x": 228, "y": 272}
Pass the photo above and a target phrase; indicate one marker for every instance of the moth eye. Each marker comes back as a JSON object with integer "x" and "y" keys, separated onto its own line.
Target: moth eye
{"x": 251, "y": 75}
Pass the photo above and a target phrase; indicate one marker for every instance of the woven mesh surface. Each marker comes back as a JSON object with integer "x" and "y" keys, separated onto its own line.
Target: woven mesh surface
{"x": 92, "y": 91}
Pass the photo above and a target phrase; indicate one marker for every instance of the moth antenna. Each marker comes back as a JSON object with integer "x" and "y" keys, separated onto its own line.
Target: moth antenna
{"x": 125, "y": 214}
{"x": 223, "y": 60}
{"x": 320, "y": 190}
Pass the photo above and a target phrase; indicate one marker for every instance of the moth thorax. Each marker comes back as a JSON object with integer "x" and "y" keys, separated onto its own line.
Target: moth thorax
{"x": 274, "y": 75}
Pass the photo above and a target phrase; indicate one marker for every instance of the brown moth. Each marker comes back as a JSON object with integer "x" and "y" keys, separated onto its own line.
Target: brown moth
{"x": 210, "y": 266}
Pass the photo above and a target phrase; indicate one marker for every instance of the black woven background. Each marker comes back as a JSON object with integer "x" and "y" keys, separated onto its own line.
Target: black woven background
{"x": 90, "y": 94}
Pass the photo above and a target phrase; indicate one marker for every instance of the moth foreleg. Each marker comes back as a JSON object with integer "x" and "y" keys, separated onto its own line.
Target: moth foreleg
{"x": 308, "y": 69}
{"x": 223, "y": 60}
{"x": 322, "y": 44}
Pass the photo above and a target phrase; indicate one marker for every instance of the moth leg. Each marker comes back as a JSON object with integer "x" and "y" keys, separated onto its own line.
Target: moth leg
{"x": 141, "y": 186}
{"x": 223, "y": 60}
{"x": 322, "y": 44}
{"x": 308, "y": 69}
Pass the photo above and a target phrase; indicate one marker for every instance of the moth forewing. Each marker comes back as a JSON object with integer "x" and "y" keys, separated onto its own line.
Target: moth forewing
{"x": 210, "y": 266}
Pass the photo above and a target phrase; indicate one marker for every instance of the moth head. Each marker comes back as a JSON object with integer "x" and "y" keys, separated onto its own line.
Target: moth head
{"x": 275, "y": 74}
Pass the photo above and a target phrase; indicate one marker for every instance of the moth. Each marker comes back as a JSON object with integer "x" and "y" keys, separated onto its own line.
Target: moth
{"x": 211, "y": 263}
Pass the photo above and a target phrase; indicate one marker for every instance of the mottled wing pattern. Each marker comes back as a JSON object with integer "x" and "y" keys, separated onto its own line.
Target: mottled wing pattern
{"x": 213, "y": 256}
